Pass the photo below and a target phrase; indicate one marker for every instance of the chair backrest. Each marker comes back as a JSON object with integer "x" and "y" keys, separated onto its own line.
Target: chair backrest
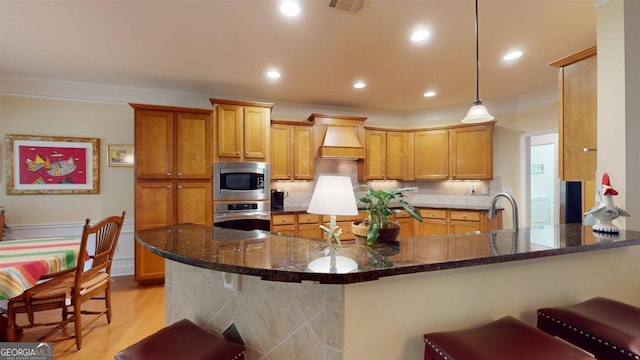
{"x": 1, "y": 224}
{"x": 106, "y": 234}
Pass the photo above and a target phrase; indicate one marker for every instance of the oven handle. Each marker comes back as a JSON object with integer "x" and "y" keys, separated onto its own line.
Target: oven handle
{"x": 245, "y": 215}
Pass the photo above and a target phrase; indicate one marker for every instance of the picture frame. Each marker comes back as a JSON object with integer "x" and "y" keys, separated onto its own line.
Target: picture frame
{"x": 120, "y": 155}
{"x": 52, "y": 165}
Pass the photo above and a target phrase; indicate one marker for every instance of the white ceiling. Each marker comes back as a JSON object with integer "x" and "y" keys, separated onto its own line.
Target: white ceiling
{"x": 223, "y": 47}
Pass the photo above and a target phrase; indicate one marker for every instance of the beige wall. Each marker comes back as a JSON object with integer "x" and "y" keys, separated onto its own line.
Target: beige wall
{"x": 385, "y": 319}
{"x": 111, "y": 123}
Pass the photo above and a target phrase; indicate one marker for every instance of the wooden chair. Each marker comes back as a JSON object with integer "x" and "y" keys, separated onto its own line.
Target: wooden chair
{"x": 72, "y": 287}
{"x": 1, "y": 224}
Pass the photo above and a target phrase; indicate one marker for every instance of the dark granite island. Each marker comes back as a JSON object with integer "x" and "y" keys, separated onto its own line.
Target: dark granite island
{"x": 397, "y": 293}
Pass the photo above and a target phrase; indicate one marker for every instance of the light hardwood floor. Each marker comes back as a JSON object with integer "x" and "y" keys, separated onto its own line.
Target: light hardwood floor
{"x": 137, "y": 313}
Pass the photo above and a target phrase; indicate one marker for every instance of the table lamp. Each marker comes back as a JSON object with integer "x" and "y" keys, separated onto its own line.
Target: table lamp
{"x": 333, "y": 195}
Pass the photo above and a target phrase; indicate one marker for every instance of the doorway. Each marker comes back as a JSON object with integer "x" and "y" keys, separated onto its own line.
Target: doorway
{"x": 540, "y": 173}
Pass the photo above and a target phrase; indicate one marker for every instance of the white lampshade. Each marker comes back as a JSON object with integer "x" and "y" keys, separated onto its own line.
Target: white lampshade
{"x": 477, "y": 114}
{"x": 333, "y": 195}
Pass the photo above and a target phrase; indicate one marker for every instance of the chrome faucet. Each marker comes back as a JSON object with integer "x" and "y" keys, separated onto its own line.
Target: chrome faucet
{"x": 514, "y": 208}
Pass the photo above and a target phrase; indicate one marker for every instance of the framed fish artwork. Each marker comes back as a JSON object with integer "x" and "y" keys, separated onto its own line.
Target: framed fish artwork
{"x": 52, "y": 165}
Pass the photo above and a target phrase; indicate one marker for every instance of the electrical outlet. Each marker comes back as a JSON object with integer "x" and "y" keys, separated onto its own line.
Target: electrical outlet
{"x": 472, "y": 190}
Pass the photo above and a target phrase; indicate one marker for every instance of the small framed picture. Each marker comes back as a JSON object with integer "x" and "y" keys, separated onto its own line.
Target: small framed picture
{"x": 119, "y": 155}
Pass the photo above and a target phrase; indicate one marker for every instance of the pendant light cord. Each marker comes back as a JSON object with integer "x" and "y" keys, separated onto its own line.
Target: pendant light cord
{"x": 478, "y": 101}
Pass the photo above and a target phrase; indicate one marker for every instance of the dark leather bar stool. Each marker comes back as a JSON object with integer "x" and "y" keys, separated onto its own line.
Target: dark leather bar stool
{"x": 182, "y": 340}
{"x": 607, "y": 328}
{"x": 503, "y": 339}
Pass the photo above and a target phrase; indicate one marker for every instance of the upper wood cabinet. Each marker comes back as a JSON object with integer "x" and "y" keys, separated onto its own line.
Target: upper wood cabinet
{"x": 241, "y": 130}
{"x": 384, "y": 155}
{"x": 431, "y": 154}
{"x": 471, "y": 152}
{"x": 577, "y": 85}
{"x": 172, "y": 143}
{"x": 292, "y": 150}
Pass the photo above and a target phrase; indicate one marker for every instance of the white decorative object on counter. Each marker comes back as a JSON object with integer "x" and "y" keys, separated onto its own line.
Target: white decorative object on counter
{"x": 604, "y": 212}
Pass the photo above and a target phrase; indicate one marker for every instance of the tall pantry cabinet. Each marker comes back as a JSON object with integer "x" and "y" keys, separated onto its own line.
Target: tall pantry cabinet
{"x": 172, "y": 175}
{"x": 577, "y": 99}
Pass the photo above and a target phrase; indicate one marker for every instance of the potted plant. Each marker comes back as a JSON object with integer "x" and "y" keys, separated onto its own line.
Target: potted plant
{"x": 379, "y": 225}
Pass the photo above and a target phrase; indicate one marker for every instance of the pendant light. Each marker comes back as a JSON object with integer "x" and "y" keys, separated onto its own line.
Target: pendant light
{"x": 478, "y": 112}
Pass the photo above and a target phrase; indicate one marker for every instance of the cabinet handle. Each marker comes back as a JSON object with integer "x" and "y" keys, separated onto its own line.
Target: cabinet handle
{"x": 586, "y": 149}
{"x": 168, "y": 174}
{"x": 179, "y": 174}
{"x": 168, "y": 186}
{"x": 179, "y": 187}
{"x": 246, "y": 153}
{"x": 238, "y": 153}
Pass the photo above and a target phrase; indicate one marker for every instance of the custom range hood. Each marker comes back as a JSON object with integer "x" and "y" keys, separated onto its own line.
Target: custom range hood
{"x": 339, "y": 136}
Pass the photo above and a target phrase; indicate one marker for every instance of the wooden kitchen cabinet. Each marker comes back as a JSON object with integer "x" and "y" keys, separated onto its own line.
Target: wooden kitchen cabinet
{"x": 292, "y": 151}
{"x": 172, "y": 175}
{"x": 471, "y": 152}
{"x": 577, "y": 100}
{"x": 309, "y": 226}
{"x": 407, "y": 224}
{"x": 172, "y": 143}
{"x": 384, "y": 156}
{"x": 434, "y": 222}
{"x": 453, "y": 221}
{"x": 241, "y": 130}
{"x": 284, "y": 224}
{"x": 431, "y": 155}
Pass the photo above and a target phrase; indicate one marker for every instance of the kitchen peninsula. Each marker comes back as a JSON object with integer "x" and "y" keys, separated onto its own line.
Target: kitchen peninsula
{"x": 282, "y": 310}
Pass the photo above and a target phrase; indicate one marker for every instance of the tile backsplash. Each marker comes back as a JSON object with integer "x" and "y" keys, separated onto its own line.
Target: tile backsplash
{"x": 298, "y": 193}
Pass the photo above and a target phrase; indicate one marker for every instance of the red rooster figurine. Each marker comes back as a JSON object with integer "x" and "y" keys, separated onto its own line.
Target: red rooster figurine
{"x": 605, "y": 211}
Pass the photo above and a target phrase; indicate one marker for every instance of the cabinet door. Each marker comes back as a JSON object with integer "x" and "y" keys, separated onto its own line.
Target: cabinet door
{"x": 303, "y": 159}
{"x": 194, "y": 203}
{"x": 193, "y": 153}
{"x": 375, "y": 155}
{"x": 395, "y": 161}
{"x": 578, "y": 124}
{"x": 154, "y": 144}
{"x": 406, "y": 227}
{"x": 472, "y": 153}
{"x": 154, "y": 204}
{"x": 431, "y": 155}
{"x": 281, "y": 152}
{"x": 256, "y": 133}
{"x": 229, "y": 120}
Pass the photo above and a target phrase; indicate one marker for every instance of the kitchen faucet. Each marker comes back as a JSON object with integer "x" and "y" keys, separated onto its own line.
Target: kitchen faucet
{"x": 514, "y": 208}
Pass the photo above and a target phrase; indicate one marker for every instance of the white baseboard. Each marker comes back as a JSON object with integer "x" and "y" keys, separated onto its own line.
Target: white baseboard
{"x": 123, "y": 263}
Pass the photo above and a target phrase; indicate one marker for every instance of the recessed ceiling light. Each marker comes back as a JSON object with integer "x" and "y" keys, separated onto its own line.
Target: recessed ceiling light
{"x": 513, "y": 55}
{"x": 429, "y": 93}
{"x": 273, "y": 74}
{"x": 290, "y": 8}
{"x": 359, "y": 85}
{"x": 420, "y": 35}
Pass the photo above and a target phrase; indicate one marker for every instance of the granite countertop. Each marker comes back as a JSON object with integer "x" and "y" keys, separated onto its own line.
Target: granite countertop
{"x": 286, "y": 258}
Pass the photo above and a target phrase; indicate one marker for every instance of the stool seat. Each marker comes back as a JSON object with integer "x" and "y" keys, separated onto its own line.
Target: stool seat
{"x": 607, "y": 328}
{"x": 503, "y": 339}
{"x": 182, "y": 340}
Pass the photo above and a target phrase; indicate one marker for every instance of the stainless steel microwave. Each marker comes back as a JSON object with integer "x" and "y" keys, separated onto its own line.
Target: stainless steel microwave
{"x": 241, "y": 181}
